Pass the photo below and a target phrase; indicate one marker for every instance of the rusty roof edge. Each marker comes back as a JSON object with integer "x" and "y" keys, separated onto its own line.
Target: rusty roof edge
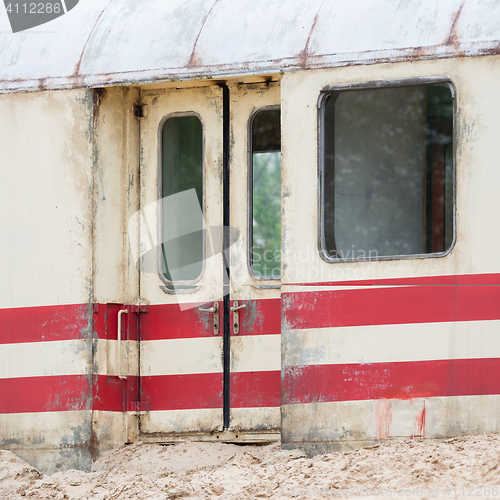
{"x": 221, "y": 72}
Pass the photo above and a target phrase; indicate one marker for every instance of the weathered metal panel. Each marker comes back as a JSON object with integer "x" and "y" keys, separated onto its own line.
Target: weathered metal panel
{"x": 373, "y": 350}
{"x": 125, "y": 41}
{"x": 181, "y": 362}
{"x": 50, "y": 441}
{"x": 46, "y": 194}
{"x": 350, "y": 424}
{"x": 256, "y": 351}
{"x": 48, "y": 55}
{"x": 191, "y": 382}
{"x": 115, "y": 277}
{"x": 168, "y": 34}
{"x": 66, "y": 216}
{"x": 46, "y": 272}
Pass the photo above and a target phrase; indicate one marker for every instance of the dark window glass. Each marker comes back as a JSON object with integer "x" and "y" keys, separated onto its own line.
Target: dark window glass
{"x": 388, "y": 172}
{"x": 265, "y": 230}
{"x": 182, "y": 198}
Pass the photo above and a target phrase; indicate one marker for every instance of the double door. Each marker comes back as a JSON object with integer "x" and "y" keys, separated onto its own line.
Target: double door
{"x": 210, "y": 259}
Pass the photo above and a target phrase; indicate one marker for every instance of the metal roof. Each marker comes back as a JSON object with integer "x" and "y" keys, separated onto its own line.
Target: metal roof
{"x": 109, "y": 42}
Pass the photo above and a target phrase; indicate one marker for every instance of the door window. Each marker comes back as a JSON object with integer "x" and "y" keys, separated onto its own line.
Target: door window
{"x": 182, "y": 225}
{"x": 265, "y": 196}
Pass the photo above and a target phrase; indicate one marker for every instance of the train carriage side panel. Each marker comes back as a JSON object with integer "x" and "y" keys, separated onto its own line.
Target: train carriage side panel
{"x": 46, "y": 335}
{"x": 115, "y": 278}
{"x": 396, "y": 347}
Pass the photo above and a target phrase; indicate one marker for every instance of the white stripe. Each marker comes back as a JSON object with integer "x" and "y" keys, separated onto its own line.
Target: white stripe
{"x": 206, "y": 419}
{"x": 374, "y": 420}
{"x": 181, "y": 356}
{"x": 392, "y": 343}
{"x": 63, "y": 3}
{"x": 107, "y": 356}
{"x": 255, "y": 418}
{"x": 46, "y": 430}
{"x": 41, "y": 359}
{"x": 256, "y": 353}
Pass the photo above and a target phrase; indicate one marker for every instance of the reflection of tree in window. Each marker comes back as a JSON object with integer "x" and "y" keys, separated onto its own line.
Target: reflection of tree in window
{"x": 266, "y": 193}
{"x": 388, "y": 182}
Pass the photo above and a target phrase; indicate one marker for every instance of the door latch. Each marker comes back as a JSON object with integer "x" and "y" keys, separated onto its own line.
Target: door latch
{"x": 236, "y": 316}
{"x": 215, "y": 310}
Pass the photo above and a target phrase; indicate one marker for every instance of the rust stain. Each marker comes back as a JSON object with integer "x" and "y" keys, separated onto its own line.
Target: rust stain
{"x": 194, "y": 60}
{"x": 42, "y": 84}
{"x": 76, "y": 72}
{"x": 92, "y": 444}
{"x": 421, "y": 52}
{"x": 305, "y": 54}
{"x": 453, "y": 37}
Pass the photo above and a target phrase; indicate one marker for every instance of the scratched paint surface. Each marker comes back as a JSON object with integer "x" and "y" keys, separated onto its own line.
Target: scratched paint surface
{"x": 374, "y": 350}
{"x": 123, "y": 41}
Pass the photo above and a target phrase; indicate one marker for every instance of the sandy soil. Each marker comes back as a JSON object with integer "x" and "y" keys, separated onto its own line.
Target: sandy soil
{"x": 461, "y": 467}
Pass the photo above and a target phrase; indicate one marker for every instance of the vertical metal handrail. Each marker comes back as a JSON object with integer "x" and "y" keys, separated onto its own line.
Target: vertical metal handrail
{"x": 120, "y": 313}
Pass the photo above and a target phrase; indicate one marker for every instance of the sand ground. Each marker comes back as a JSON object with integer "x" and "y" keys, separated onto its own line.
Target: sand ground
{"x": 461, "y": 467}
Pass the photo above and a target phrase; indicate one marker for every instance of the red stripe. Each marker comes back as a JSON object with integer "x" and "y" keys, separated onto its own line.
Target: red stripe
{"x": 47, "y": 323}
{"x": 41, "y": 394}
{"x": 106, "y": 322}
{"x": 182, "y": 392}
{"x": 389, "y": 306}
{"x": 455, "y": 279}
{"x": 172, "y": 392}
{"x": 255, "y": 389}
{"x": 167, "y": 321}
{"x": 67, "y": 393}
{"x": 65, "y": 322}
{"x": 260, "y": 317}
{"x": 406, "y": 380}
{"x": 115, "y": 394}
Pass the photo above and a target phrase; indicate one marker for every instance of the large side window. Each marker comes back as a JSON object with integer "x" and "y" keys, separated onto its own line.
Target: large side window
{"x": 182, "y": 229}
{"x": 387, "y": 172}
{"x": 265, "y": 195}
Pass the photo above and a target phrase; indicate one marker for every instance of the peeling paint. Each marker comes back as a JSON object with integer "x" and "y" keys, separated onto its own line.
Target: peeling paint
{"x": 384, "y": 419}
{"x": 420, "y": 423}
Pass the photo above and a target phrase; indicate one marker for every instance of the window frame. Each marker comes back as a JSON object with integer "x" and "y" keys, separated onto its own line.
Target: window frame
{"x": 163, "y": 278}
{"x": 407, "y": 82}
{"x": 250, "y": 191}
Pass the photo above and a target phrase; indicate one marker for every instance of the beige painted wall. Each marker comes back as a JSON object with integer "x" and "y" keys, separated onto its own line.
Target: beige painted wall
{"x": 46, "y": 193}
{"x": 477, "y": 172}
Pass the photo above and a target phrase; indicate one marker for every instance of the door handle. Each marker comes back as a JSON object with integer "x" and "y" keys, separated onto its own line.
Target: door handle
{"x": 215, "y": 310}
{"x": 120, "y": 312}
{"x": 236, "y": 316}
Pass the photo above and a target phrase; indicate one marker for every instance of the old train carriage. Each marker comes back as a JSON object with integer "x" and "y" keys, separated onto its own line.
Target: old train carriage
{"x": 237, "y": 221}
